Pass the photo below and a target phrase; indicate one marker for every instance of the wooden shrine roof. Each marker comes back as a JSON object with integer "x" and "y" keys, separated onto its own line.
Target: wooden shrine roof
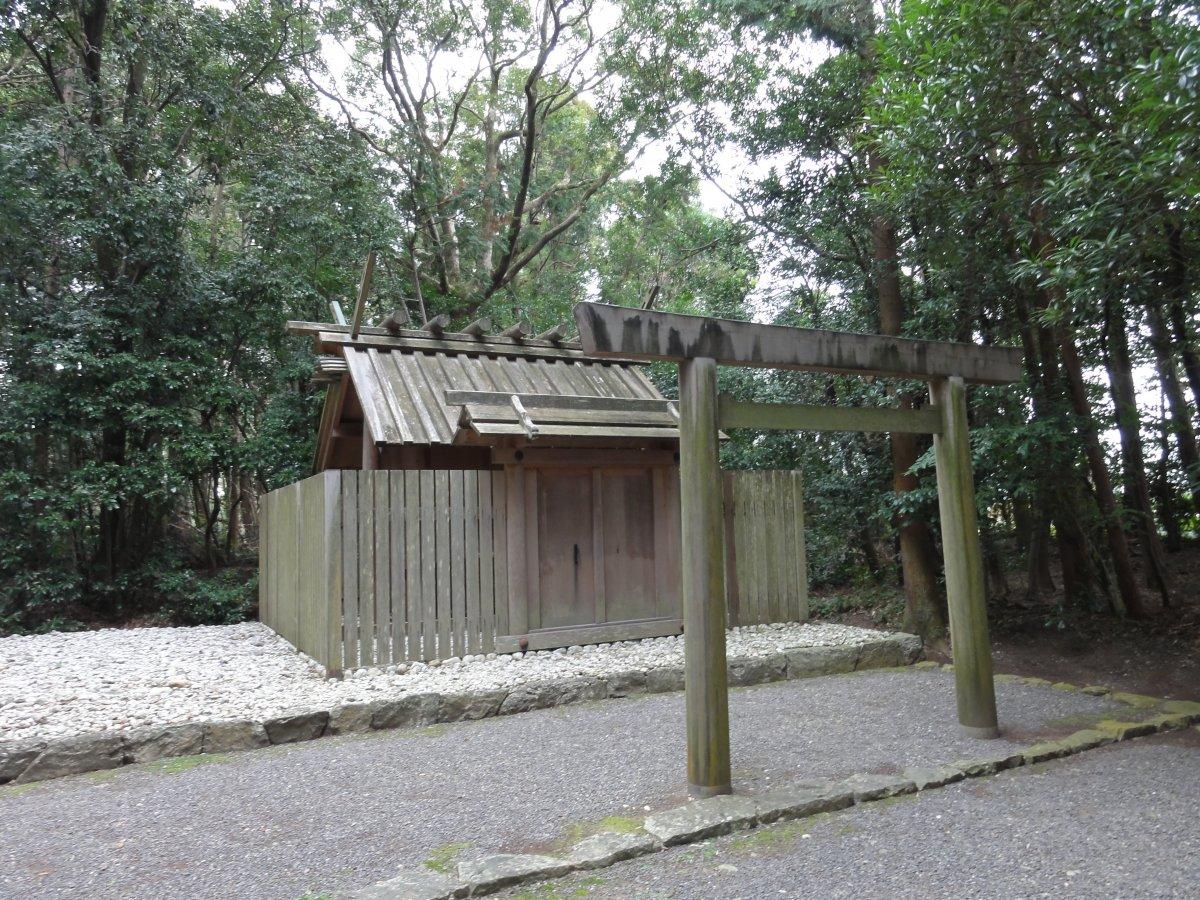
{"x": 419, "y": 389}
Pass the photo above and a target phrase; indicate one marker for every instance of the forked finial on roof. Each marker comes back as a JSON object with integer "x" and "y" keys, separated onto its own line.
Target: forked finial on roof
{"x": 364, "y": 288}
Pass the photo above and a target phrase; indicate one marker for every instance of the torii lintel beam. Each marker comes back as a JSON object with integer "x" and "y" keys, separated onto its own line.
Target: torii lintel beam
{"x": 628, "y": 333}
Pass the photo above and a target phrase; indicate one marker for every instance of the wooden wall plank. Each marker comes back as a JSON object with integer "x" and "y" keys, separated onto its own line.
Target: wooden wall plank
{"x": 380, "y": 501}
{"x": 366, "y": 570}
{"x": 443, "y": 613}
{"x": 471, "y": 559}
{"x": 487, "y": 570}
{"x": 429, "y": 516}
{"x": 264, "y": 559}
{"x": 292, "y": 492}
{"x": 598, "y": 555}
{"x": 334, "y": 550}
{"x": 397, "y": 604}
{"x": 413, "y": 590}
{"x": 350, "y": 563}
{"x": 500, "y": 556}
{"x": 457, "y": 566}
{"x": 309, "y": 517}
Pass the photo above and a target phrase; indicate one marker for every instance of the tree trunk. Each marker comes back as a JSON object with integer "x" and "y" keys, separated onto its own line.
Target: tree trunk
{"x": 1176, "y": 403}
{"x": 1118, "y": 548}
{"x": 1177, "y": 313}
{"x": 1133, "y": 458}
{"x": 918, "y": 559}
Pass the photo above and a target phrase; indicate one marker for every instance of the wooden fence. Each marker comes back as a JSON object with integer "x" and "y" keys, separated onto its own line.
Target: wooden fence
{"x": 370, "y": 568}
{"x": 766, "y": 573}
{"x": 378, "y": 567}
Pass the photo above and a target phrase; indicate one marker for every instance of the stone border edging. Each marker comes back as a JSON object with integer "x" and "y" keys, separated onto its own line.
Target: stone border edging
{"x": 702, "y": 820}
{"x": 38, "y": 760}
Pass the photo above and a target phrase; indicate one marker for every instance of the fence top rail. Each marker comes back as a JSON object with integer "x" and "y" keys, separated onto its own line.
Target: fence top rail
{"x": 617, "y": 331}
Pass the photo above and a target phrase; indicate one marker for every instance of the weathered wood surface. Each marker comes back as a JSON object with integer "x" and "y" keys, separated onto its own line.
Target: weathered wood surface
{"x": 617, "y": 331}
{"x": 805, "y": 417}
{"x": 705, "y": 676}
{"x": 371, "y": 568}
{"x": 559, "y": 401}
{"x": 766, "y": 570}
{"x": 965, "y": 588}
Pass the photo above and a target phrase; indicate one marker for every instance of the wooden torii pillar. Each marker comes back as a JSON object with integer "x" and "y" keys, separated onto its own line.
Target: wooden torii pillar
{"x": 698, "y": 345}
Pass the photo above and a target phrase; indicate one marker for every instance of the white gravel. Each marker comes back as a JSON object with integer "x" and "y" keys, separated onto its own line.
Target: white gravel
{"x": 58, "y": 684}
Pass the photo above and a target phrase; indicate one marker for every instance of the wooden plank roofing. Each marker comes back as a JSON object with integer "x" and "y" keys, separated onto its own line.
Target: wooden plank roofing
{"x": 416, "y": 390}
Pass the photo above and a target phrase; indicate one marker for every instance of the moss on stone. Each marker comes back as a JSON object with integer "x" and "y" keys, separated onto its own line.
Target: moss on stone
{"x": 442, "y": 859}
{"x": 1140, "y": 701}
{"x": 575, "y": 832}
{"x": 1182, "y": 707}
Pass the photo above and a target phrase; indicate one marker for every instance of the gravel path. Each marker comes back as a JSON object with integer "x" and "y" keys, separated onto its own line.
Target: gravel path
{"x": 346, "y": 812}
{"x": 1115, "y": 822}
{"x": 59, "y": 684}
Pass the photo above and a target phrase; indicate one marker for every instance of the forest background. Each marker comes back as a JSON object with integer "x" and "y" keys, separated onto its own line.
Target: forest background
{"x": 177, "y": 179}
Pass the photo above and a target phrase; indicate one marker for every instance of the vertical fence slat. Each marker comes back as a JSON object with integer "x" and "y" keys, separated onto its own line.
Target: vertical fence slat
{"x": 787, "y": 539}
{"x": 334, "y": 550}
{"x": 774, "y": 548}
{"x": 366, "y": 570}
{"x": 350, "y": 566}
{"x": 457, "y": 566}
{"x": 293, "y": 572}
{"x": 383, "y": 578}
{"x": 396, "y": 590}
{"x": 264, "y": 560}
{"x": 487, "y": 583}
{"x": 442, "y": 612}
{"x": 428, "y": 568}
{"x": 471, "y": 558}
{"x": 500, "y": 550}
{"x": 308, "y": 518}
{"x": 801, "y": 548}
{"x": 412, "y": 563}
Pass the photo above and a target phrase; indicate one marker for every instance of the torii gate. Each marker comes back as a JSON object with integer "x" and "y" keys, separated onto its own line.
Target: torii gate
{"x": 699, "y": 344}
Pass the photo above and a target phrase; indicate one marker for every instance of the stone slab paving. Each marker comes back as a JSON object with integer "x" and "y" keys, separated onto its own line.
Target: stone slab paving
{"x": 346, "y": 812}
{"x": 1119, "y": 821}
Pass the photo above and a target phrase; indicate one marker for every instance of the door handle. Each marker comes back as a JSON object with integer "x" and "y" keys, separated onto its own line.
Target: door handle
{"x": 576, "y": 546}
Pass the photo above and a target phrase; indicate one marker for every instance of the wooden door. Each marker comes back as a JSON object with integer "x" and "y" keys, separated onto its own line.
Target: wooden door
{"x": 566, "y": 556}
{"x": 626, "y": 516}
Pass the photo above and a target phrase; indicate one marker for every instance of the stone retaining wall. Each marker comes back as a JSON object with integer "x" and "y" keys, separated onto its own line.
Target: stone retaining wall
{"x": 40, "y": 760}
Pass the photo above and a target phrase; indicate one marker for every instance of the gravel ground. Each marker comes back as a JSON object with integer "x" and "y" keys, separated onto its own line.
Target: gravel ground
{"x": 1115, "y": 822}
{"x": 347, "y": 812}
{"x": 58, "y": 684}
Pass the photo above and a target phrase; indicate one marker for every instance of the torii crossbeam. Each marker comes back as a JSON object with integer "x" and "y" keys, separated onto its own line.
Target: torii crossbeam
{"x": 698, "y": 345}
